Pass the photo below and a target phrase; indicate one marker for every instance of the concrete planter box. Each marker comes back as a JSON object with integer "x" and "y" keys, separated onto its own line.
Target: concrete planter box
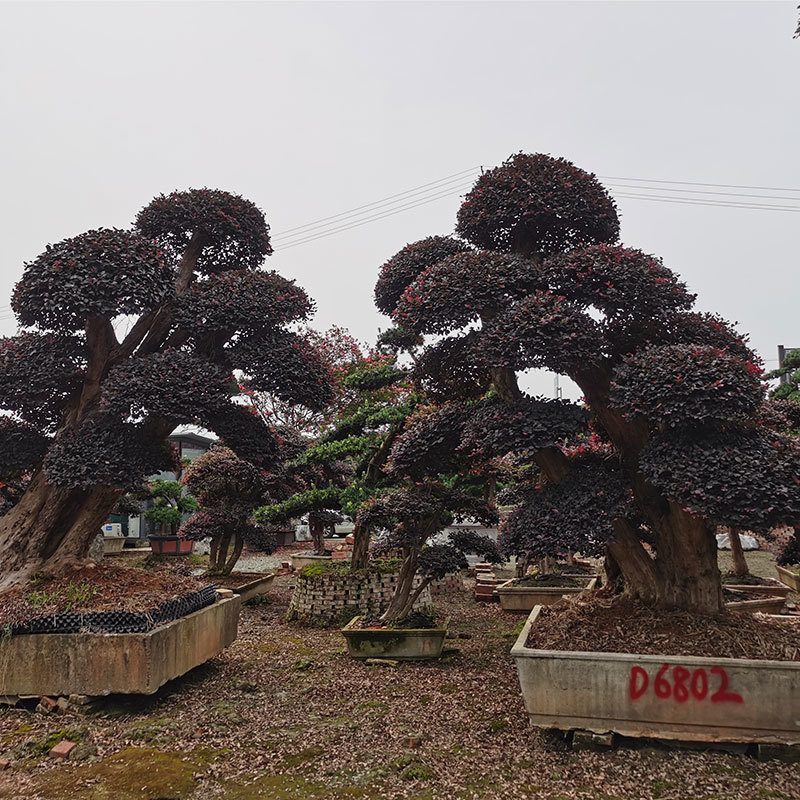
{"x": 772, "y": 589}
{"x": 762, "y": 605}
{"x": 113, "y": 544}
{"x": 790, "y": 578}
{"x": 105, "y": 663}
{"x": 521, "y": 599}
{"x": 718, "y": 699}
{"x": 254, "y": 588}
{"x": 303, "y": 560}
{"x": 170, "y": 546}
{"x": 402, "y": 644}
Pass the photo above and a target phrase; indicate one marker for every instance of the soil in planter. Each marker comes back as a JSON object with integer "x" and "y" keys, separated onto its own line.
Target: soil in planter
{"x": 100, "y": 588}
{"x": 613, "y": 624}
{"x": 237, "y": 579}
{"x": 732, "y": 596}
{"x": 577, "y": 569}
{"x": 415, "y": 620}
{"x": 553, "y": 579}
{"x": 746, "y": 580}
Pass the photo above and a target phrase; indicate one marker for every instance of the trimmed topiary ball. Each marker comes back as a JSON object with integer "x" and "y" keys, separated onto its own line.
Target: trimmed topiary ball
{"x": 101, "y": 273}
{"x": 233, "y": 230}
{"x": 402, "y": 269}
{"x": 745, "y": 477}
{"x": 241, "y": 301}
{"x": 620, "y": 281}
{"x": 175, "y": 384}
{"x": 463, "y": 288}
{"x": 544, "y": 330}
{"x": 686, "y": 385}
{"x": 537, "y": 205}
{"x": 497, "y": 428}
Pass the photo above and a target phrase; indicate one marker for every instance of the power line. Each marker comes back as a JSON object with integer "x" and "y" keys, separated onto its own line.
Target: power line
{"x": 697, "y": 183}
{"x": 412, "y": 191}
{"x": 714, "y": 203}
{"x": 314, "y": 235}
{"x": 701, "y": 191}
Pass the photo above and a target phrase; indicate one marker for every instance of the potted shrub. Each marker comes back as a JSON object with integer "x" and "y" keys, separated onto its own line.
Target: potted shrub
{"x": 674, "y": 400}
{"x": 415, "y": 510}
{"x": 170, "y": 504}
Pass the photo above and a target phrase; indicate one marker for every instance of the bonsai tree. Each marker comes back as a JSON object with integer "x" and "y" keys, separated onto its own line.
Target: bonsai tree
{"x": 228, "y": 489}
{"x": 432, "y": 488}
{"x": 538, "y": 280}
{"x": 189, "y": 274}
{"x": 341, "y": 468}
{"x": 170, "y": 505}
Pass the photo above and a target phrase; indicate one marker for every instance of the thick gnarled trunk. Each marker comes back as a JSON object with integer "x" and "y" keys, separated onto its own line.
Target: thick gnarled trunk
{"x": 51, "y": 530}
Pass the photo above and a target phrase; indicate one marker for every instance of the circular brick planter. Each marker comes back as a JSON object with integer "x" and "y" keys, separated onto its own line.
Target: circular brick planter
{"x": 331, "y": 598}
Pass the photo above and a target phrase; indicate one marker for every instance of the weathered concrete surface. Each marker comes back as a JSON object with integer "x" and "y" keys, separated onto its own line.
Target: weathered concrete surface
{"x": 298, "y": 562}
{"x": 401, "y": 644}
{"x": 129, "y": 663}
{"x": 791, "y": 579}
{"x": 762, "y": 605}
{"x": 521, "y": 599}
{"x": 772, "y": 589}
{"x": 254, "y": 588}
{"x": 720, "y": 699}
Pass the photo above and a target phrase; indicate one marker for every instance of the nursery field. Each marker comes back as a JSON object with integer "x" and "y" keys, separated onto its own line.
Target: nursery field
{"x": 284, "y": 713}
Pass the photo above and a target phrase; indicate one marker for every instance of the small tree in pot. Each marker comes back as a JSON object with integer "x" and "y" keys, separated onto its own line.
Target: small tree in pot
{"x": 170, "y": 505}
{"x": 228, "y": 489}
{"x": 431, "y": 492}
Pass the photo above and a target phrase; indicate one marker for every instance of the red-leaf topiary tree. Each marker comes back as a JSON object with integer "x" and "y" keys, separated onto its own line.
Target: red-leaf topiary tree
{"x": 228, "y": 489}
{"x": 538, "y": 281}
{"x": 188, "y": 282}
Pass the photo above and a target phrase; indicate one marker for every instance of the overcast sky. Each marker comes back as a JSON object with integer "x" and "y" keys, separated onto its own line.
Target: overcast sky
{"x": 312, "y": 109}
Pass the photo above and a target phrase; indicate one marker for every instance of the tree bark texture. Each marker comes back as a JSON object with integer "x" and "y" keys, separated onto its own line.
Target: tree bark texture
{"x": 317, "y": 531}
{"x": 51, "y": 529}
{"x": 740, "y": 567}
{"x": 405, "y": 583}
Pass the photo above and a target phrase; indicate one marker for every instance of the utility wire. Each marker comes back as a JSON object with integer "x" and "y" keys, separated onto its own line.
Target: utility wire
{"x": 696, "y": 183}
{"x": 412, "y": 191}
{"x": 717, "y": 203}
{"x": 314, "y": 235}
{"x": 700, "y": 191}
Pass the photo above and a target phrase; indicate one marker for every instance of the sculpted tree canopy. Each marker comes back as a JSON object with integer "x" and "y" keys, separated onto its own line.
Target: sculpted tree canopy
{"x": 228, "y": 489}
{"x": 127, "y": 334}
{"x": 672, "y": 397}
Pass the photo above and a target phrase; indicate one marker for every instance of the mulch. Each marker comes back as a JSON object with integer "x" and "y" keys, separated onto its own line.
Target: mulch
{"x": 607, "y": 623}
{"x": 104, "y": 587}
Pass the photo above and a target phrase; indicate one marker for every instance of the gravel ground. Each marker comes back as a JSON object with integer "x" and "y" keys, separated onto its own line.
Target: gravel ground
{"x": 284, "y": 713}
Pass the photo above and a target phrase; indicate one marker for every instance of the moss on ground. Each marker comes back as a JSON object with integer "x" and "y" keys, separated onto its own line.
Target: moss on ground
{"x": 133, "y": 774}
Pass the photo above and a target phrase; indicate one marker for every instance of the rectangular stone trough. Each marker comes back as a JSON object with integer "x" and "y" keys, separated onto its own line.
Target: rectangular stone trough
{"x": 521, "y": 599}
{"x": 254, "y": 588}
{"x": 665, "y": 697}
{"x": 790, "y": 578}
{"x": 402, "y": 644}
{"x": 105, "y": 663}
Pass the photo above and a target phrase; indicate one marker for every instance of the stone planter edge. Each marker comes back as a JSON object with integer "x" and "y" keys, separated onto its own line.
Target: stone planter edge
{"x": 507, "y": 592}
{"x": 98, "y": 664}
{"x": 659, "y": 729}
{"x": 435, "y": 636}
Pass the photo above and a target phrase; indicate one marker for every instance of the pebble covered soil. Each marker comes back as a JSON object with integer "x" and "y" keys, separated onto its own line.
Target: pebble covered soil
{"x": 284, "y": 713}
